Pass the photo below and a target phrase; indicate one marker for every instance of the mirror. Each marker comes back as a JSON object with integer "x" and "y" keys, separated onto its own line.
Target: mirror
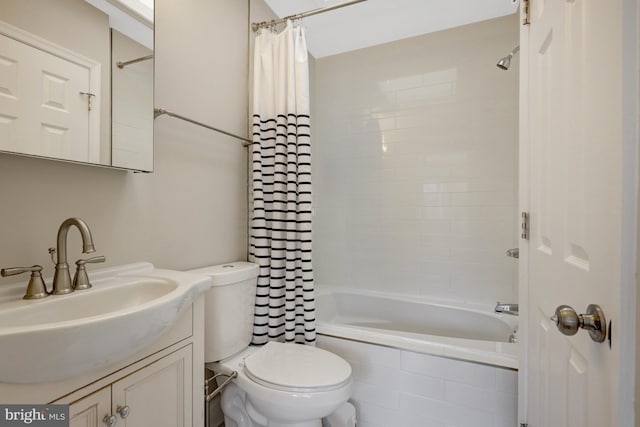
{"x": 76, "y": 81}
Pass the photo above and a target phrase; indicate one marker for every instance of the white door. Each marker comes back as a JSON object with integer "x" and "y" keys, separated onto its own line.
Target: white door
{"x": 572, "y": 105}
{"x": 42, "y": 109}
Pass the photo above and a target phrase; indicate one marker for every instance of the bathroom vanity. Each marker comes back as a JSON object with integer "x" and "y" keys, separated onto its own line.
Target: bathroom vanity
{"x": 128, "y": 351}
{"x": 160, "y": 389}
{"x": 158, "y": 386}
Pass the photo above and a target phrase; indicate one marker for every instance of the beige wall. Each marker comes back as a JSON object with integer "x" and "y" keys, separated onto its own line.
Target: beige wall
{"x": 192, "y": 211}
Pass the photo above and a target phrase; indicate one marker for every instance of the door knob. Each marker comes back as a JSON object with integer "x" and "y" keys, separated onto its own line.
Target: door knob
{"x": 569, "y": 322}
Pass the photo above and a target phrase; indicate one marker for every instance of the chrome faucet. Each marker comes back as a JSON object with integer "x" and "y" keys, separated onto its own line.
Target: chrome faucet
{"x": 506, "y": 308}
{"x": 62, "y": 278}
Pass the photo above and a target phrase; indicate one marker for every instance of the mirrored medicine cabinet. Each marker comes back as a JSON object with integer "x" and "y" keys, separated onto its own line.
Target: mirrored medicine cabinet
{"x": 76, "y": 81}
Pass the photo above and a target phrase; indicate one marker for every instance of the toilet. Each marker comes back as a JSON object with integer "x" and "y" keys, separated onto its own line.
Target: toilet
{"x": 278, "y": 384}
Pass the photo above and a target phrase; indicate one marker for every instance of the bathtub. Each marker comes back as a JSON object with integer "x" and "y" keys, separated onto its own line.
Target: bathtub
{"x": 416, "y": 324}
{"x": 421, "y": 363}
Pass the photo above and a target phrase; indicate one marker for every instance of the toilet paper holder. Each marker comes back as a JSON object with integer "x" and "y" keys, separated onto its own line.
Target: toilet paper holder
{"x": 210, "y": 395}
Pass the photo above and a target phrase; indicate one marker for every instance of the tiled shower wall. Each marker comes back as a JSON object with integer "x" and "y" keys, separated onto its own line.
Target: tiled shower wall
{"x": 415, "y": 165}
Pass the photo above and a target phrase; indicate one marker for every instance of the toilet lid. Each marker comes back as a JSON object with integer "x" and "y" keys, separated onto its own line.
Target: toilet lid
{"x": 297, "y": 367}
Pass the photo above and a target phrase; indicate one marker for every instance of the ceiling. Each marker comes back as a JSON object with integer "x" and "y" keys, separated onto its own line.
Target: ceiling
{"x": 133, "y": 18}
{"x": 379, "y": 21}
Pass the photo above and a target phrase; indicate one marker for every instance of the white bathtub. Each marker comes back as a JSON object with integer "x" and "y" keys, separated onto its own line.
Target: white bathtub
{"x": 416, "y": 324}
{"x": 422, "y": 364}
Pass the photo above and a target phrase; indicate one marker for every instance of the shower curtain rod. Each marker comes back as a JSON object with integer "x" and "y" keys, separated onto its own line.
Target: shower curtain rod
{"x": 121, "y": 64}
{"x": 157, "y": 112}
{"x": 257, "y": 25}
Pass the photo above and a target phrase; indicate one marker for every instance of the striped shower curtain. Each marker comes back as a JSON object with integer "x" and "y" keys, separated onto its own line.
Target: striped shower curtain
{"x": 280, "y": 237}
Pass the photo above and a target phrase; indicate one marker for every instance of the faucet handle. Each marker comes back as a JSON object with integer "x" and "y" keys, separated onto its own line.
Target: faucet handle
{"x": 36, "y": 288}
{"x": 81, "y": 279}
{"x": 91, "y": 260}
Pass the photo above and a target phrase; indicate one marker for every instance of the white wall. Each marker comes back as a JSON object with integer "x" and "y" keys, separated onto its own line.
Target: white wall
{"x": 192, "y": 211}
{"x": 415, "y": 154}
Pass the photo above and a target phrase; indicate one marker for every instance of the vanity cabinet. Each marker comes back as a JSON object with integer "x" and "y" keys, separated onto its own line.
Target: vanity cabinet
{"x": 162, "y": 385}
{"x": 158, "y": 395}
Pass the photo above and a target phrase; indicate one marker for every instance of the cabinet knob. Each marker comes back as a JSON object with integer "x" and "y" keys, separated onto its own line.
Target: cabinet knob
{"x": 110, "y": 420}
{"x": 123, "y": 411}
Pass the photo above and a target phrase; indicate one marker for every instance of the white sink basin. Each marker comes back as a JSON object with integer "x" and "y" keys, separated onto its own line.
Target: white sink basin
{"x": 62, "y": 336}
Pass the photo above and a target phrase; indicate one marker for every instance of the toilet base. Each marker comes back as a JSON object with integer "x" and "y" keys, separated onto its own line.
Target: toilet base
{"x": 230, "y": 423}
{"x": 238, "y": 412}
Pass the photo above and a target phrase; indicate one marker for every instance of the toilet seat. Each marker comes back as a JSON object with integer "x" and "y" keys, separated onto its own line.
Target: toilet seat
{"x": 299, "y": 368}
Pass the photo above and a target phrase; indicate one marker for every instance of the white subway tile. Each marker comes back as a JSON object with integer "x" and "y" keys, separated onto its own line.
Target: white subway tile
{"x": 448, "y": 75}
{"x": 470, "y": 396}
{"x": 376, "y": 395}
{"x": 421, "y": 385}
{"x": 424, "y": 364}
{"x": 436, "y": 199}
{"x": 507, "y": 380}
{"x": 423, "y": 407}
{"x": 435, "y": 253}
{"x": 495, "y": 213}
{"x": 440, "y": 269}
{"x": 467, "y": 417}
{"x": 403, "y": 82}
{"x": 438, "y": 171}
{"x": 407, "y": 420}
{"x": 435, "y": 227}
{"x": 375, "y": 414}
{"x": 425, "y": 94}
{"x": 484, "y": 198}
{"x": 438, "y": 212}
{"x": 506, "y": 404}
{"x": 470, "y": 373}
{"x": 374, "y": 374}
{"x": 368, "y": 424}
{"x": 508, "y": 420}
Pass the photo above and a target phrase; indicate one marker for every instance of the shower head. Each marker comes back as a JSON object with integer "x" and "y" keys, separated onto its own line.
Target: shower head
{"x": 505, "y": 62}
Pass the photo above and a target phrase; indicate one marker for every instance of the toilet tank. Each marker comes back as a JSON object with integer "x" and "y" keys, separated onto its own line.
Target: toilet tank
{"x": 229, "y": 308}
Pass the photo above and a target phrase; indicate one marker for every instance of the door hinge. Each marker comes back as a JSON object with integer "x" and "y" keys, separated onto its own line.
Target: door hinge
{"x": 89, "y": 96}
{"x": 525, "y": 226}
{"x": 527, "y": 12}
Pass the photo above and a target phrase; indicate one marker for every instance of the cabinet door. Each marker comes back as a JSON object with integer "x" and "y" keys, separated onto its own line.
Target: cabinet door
{"x": 90, "y": 411}
{"x": 158, "y": 395}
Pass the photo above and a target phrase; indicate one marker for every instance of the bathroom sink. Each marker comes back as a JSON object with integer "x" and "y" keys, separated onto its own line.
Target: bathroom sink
{"x": 62, "y": 336}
